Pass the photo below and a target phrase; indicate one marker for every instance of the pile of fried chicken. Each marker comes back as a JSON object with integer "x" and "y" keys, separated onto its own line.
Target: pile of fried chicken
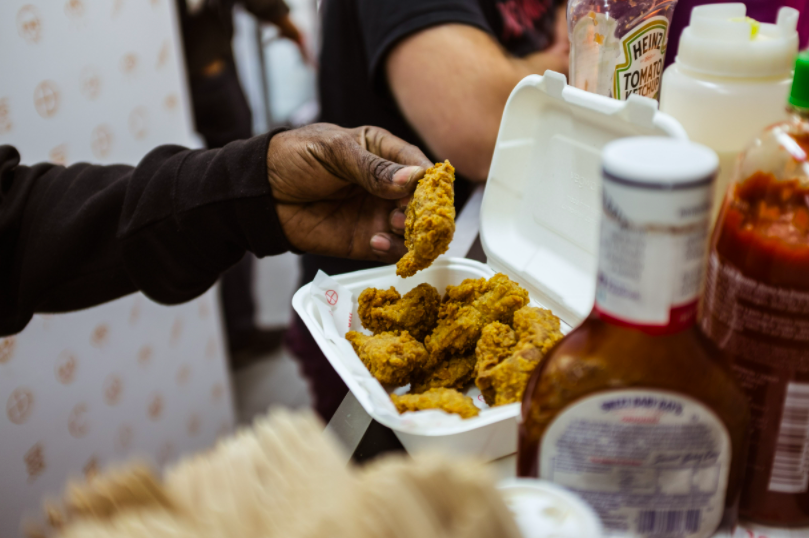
{"x": 481, "y": 330}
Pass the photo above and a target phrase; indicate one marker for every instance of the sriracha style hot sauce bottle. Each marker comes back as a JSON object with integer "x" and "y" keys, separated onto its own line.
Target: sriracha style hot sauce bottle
{"x": 756, "y": 308}
{"x": 631, "y": 410}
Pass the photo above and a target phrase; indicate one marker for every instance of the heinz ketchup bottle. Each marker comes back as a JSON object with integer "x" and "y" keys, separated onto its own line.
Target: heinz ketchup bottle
{"x": 634, "y": 410}
{"x": 756, "y": 308}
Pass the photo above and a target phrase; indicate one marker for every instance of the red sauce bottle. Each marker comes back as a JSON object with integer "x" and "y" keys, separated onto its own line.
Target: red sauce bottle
{"x": 756, "y": 309}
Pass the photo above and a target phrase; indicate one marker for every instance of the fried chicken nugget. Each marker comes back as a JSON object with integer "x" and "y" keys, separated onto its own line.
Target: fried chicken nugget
{"x": 467, "y": 291}
{"x": 454, "y": 373}
{"x": 391, "y": 357}
{"x": 429, "y": 220}
{"x": 537, "y": 330}
{"x": 460, "y": 322}
{"x": 496, "y": 344}
{"x": 509, "y": 378}
{"x": 503, "y": 297}
{"x": 458, "y": 329}
{"x": 386, "y": 310}
{"x": 450, "y": 400}
{"x": 537, "y": 327}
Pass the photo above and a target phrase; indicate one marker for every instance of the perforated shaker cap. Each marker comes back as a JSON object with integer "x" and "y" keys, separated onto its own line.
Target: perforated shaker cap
{"x": 722, "y": 41}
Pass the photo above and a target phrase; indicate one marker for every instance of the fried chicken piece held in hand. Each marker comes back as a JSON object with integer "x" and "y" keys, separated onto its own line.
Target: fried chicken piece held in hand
{"x": 449, "y": 400}
{"x": 429, "y": 220}
{"x": 391, "y": 357}
{"x": 386, "y": 310}
{"x": 453, "y": 373}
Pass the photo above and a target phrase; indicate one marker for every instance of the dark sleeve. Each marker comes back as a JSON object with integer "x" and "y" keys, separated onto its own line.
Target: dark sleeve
{"x": 75, "y": 237}
{"x": 385, "y": 22}
{"x": 267, "y": 10}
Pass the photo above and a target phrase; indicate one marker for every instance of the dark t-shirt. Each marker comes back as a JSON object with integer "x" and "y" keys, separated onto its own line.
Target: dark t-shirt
{"x": 358, "y": 35}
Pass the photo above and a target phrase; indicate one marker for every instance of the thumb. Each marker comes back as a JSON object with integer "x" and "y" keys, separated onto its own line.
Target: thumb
{"x": 384, "y": 165}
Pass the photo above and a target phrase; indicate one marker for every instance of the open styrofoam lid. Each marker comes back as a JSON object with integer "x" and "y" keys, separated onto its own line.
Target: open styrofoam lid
{"x": 540, "y": 216}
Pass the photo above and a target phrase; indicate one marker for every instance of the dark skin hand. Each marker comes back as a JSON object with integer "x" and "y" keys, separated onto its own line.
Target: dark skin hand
{"x": 341, "y": 192}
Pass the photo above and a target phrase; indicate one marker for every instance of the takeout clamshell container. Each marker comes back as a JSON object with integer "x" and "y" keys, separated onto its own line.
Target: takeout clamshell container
{"x": 539, "y": 225}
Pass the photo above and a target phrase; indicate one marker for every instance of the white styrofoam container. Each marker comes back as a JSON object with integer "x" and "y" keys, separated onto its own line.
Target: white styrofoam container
{"x": 539, "y": 225}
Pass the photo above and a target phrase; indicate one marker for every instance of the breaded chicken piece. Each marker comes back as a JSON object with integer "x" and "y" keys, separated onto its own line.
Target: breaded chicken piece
{"x": 457, "y": 331}
{"x": 537, "y": 331}
{"x": 385, "y": 310}
{"x": 429, "y": 220}
{"x": 496, "y": 344}
{"x": 502, "y": 298}
{"x": 467, "y": 291}
{"x": 537, "y": 327}
{"x": 453, "y": 373}
{"x": 460, "y": 323}
{"x": 450, "y": 400}
{"x": 391, "y": 357}
{"x": 509, "y": 378}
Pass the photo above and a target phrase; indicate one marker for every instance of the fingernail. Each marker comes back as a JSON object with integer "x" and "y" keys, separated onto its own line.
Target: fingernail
{"x": 398, "y": 219}
{"x": 380, "y": 242}
{"x": 403, "y": 175}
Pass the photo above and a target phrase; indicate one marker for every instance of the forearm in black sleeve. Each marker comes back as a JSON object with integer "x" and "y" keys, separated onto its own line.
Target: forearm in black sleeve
{"x": 75, "y": 237}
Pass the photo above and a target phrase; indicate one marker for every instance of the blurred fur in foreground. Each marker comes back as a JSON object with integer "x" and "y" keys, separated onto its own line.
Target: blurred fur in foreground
{"x": 285, "y": 477}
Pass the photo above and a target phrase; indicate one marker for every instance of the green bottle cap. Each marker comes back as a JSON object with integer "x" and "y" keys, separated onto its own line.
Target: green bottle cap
{"x": 799, "y": 97}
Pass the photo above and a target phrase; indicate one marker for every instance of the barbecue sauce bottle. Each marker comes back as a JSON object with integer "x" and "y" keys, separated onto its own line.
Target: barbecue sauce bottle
{"x": 756, "y": 308}
{"x": 632, "y": 410}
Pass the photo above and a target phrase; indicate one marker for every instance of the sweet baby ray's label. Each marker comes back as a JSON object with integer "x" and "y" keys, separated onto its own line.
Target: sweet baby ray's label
{"x": 651, "y": 463}
{"x": 640, "y": 64}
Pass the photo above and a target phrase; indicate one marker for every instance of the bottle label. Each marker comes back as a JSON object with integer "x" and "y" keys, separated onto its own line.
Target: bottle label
{"x": 651, "y": 255}
{"x": 650, "y": 462}
{"x": 765, "y": 329}
{"x": 642, "y": 55}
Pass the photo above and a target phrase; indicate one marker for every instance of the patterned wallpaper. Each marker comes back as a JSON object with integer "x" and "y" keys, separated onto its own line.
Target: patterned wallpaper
{"x": 100, "y": 81}
{"x": 126, "y": 379}
{"x": 95, "y": 80}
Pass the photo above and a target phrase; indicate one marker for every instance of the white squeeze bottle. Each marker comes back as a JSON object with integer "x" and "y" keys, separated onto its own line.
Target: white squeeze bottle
{"x": 730, "y": 80}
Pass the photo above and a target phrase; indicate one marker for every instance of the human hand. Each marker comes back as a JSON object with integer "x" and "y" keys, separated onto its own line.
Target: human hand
{"x": 341, "y": 192}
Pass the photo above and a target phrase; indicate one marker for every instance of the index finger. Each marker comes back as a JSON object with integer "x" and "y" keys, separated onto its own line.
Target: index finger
{"x": 392, "y": 148}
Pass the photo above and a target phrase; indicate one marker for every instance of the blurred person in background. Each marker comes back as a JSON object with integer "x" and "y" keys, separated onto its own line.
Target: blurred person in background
{"x": 222, "y": 115}
{"x": 436, "y": 73}
{"x": 77, "y": 236}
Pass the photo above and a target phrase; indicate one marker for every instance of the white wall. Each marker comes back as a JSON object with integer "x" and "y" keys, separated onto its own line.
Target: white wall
{"x": 103, "y": 81}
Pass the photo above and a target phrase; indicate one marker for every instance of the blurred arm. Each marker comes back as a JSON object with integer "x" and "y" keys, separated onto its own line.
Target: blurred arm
{"x": 73, "y": 237}
{"x": 451, "y": 82}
